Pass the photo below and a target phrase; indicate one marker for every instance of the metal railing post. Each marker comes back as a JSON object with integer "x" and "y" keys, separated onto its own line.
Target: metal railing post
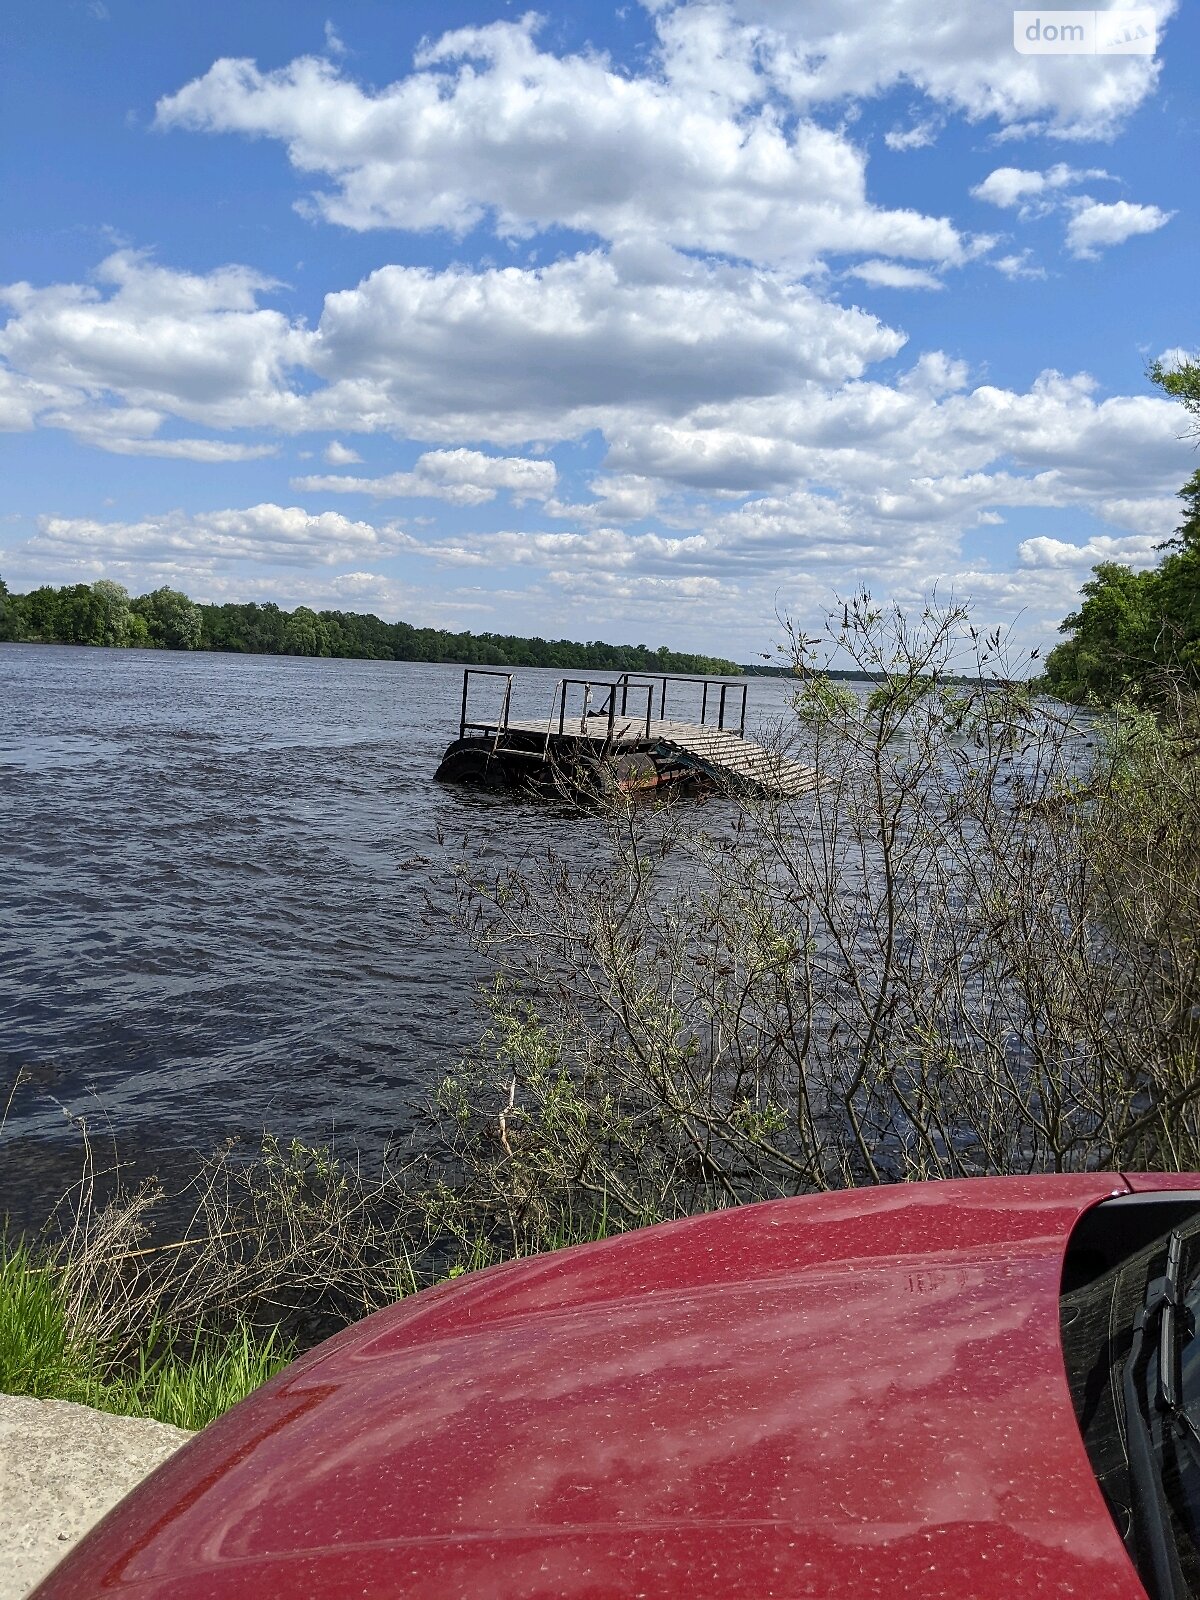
{"x": 742, "y": 723}
{"x": 506, "y": 710}
{"x": 507, "y": 701}
{"x": 704, "y": 704}
{"x": 662, "y": 705}
{"x": 612, "y": 716}
{"x": 721, "y": 715}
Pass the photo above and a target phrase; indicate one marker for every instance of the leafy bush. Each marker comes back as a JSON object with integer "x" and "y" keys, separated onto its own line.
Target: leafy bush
{"x": 969, "y": 950}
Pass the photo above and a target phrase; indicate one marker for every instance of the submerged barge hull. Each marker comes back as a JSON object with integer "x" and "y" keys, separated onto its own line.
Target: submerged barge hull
{"x": 508, "y": 766}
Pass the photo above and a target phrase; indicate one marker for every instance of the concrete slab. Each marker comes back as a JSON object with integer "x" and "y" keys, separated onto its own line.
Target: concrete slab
{"x": 62, "y": 1466}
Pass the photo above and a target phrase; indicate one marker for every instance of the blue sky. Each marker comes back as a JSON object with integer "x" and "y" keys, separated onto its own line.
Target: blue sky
{"x": 633, "y": 322}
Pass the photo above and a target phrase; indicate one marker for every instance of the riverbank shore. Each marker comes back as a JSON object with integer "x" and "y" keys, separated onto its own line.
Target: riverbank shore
{"x": 63, "y": 1467}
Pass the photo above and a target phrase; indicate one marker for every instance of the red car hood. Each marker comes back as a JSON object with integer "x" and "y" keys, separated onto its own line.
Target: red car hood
{"x": 860, "y": 1393}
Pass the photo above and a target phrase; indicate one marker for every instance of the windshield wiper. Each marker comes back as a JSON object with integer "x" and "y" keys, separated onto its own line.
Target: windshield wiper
{"x": 1167, "y": 1300}
{"x": 1162, "y": 1305}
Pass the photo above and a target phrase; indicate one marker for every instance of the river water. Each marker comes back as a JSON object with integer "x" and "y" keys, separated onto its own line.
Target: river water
{"x": 214, "y": 898}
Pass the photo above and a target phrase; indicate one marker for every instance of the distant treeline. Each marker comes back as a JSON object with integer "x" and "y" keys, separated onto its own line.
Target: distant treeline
{"x": 103, "y": 613}
{"x": 951, "y": 680}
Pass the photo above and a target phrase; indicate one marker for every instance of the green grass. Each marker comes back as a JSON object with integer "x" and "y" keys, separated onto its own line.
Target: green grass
{"x": 185, "y": 1382}
{"x": 37, "y": 1356}
{"x": 190, "y": 1385}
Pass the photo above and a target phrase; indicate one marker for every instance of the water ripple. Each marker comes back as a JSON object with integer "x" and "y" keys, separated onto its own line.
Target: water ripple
{"x": 212, "y": 899}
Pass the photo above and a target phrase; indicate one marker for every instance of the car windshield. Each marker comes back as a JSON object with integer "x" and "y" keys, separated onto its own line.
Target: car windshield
{"x": 1139, "y": 1315}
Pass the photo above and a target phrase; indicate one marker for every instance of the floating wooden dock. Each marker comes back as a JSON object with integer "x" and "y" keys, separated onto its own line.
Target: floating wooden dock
{"x": 615, "y": 733}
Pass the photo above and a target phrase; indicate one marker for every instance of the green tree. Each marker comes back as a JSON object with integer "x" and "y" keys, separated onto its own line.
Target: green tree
{"x": 41, "y": 614}
{"x": 112, "y": 617}
{"x": 79, "y": 615}
{"x": 1182, "y": 383}
{"x": 137, "y": 634}
{"x": 1179, "y": 586}
{"x": 10, "y": 616}
{"x": 1112, "y": 651}
{"x": 304, "y": 634}
{"x": 173, "y": 622}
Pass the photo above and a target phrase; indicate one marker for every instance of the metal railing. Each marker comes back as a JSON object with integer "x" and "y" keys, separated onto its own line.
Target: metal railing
{"x": 652, "y": 685}
{"x": 506, "y": 704}
{"x": 559, "y": 698}
{"x": 653, "y": 681}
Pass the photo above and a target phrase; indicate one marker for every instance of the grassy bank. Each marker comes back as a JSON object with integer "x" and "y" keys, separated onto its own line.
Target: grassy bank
{"x": 186, "y": 1382}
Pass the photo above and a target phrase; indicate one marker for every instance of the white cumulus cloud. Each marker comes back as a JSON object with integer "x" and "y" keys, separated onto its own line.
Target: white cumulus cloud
{"x": 287, "y": 535}
{"x": 1095, "y": 226}
{"x": 893, "y": 275}
{"x": 463, "y": 477}
{"x": 502, "y": 354}
{"x": 959, "y": 55}
{"x": 513, "y": 354}
{"x": 191, "y": 344}
{"x": 1139, "y": 550}
{"x": 1019, "y": 264}
{"x": 918, "y": 136}
{"x": 338, "y": 454}
{"x": 491, "y": 127}
{"x": 1013, "y": 186}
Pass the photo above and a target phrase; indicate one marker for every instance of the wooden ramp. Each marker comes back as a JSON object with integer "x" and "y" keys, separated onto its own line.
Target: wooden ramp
{"x": 729, "y": 758}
